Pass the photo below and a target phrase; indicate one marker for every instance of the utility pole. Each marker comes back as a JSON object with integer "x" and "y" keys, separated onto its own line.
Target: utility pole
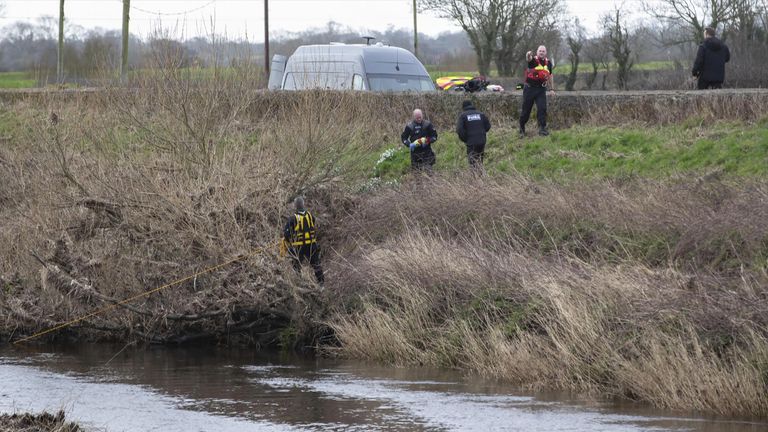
{"x": 415, "y": 32}
{"x": 60, "y": 51}
{"x": 126, "y": 19}
{"x": 266, "y": 38}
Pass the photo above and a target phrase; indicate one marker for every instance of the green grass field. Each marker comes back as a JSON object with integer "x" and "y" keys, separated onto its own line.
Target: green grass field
{"x": 561, "y": 69}
{"x": 584, "y": 67}
{"x": 14, "y": 80}
{"x": 736, "y": 150}
{"x": 22, "y": 80}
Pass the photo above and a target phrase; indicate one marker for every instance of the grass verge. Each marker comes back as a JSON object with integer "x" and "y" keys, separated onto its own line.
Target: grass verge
{"x": 725, "y": 148}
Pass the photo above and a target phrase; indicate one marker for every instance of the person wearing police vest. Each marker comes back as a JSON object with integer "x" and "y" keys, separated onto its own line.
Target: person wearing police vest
{"x": 300, "y": 233}
{"x": 471, "y": 127}
{"x": 538, "y": 78}
{"x": 418, "y": 136}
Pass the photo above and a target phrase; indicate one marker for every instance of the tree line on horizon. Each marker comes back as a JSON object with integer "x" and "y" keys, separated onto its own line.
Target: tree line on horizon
{"x": 493, "y": 42}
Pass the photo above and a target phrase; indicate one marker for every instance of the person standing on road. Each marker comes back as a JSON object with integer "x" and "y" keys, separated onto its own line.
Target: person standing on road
{"x": 472, "y": 127}
{"x": 538, "y": 78}
{"x": 418, "y": 136}
{"x": 301, "y": 234}
{"x": 709, "y": 66}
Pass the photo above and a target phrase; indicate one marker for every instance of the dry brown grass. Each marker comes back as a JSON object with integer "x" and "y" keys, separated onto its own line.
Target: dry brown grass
{"x": 456, "y": 278}
{"x": 382, "y": 115}
{"x": 698, "y": 225}
{"x": 35, "y": 423}
{"x": 623, "y": 330}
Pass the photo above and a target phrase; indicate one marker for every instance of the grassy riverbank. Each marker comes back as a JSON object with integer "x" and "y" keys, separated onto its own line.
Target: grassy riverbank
{"x": 621, "y": 259}
{"x": 724, "y": 148}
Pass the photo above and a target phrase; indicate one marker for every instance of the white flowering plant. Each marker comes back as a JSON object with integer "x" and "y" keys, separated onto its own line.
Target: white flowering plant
{"x": 392, "y": 161}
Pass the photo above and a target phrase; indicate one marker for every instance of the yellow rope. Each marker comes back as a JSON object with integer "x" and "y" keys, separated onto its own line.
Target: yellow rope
{"x": 138, "y": 296}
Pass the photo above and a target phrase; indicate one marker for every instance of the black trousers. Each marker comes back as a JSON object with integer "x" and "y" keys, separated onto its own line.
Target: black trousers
{"x": 475, "y": 154}
{"x": 310, "y": 253}
{"x": 531, "y": 95}
{"x": 703, "y": 85}
{"x": 422, "y": 160}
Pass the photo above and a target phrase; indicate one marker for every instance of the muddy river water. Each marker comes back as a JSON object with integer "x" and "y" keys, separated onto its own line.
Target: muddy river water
{"x": 115, "y": 388}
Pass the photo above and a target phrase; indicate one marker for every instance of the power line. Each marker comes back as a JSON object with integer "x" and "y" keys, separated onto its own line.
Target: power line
{"x": 157, "y": 13}
{"x": 189, "y": 11}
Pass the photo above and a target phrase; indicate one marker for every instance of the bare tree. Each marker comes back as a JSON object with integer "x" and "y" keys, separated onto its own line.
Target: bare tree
{"x": 575, "y": 40}
{"x": 482, "y": 20}
{"x": 593, "y": 53}
{"x": 696, "y": 15}
{"x": 750, "y": 21}
{"x": 618, "y": 38}
{"x": 528, "y": 23}
{"x": 747, "y": 35}
{"x": 597, "y": 51}
{"x": 762, "y": 14}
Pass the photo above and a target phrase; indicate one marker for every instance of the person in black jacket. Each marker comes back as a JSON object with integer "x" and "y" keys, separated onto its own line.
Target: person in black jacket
{"x": 418, "y": 136}
{"x": 709, "y": 66}
{"x": 301, "y": 233}
{"x": 538, "y": 78}
{"x": 472, "y": 127}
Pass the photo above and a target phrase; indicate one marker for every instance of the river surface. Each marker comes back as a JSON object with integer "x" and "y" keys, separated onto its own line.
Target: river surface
{"x": 115, "y": 388}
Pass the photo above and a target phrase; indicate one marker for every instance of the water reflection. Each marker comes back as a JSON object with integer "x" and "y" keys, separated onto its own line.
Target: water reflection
{"x": 187, "y": 389}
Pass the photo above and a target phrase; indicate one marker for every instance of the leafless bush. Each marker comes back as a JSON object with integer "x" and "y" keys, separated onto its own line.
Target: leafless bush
{"x": 190, "y": 112}
{"x": 156, "y": 182}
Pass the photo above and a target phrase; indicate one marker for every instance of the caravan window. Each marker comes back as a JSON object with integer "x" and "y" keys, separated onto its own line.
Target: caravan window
{"x": 316, "y": 80}
{"x": 381, "y": 82}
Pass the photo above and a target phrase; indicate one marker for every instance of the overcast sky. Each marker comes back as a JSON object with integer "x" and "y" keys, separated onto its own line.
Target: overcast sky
{"x": 246, "y": 17}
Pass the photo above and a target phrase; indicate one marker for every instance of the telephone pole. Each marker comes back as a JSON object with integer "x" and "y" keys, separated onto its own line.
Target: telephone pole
{"x": 415, "y": 32}
{"x": 60, "y": 50}
{"x": 266, "y": 38}
{"x": 126, "y": 19}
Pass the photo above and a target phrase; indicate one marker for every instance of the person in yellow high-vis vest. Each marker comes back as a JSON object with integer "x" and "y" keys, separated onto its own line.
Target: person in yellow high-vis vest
{"x": 538, "y": 79}
{"x": 301, "y": 234}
